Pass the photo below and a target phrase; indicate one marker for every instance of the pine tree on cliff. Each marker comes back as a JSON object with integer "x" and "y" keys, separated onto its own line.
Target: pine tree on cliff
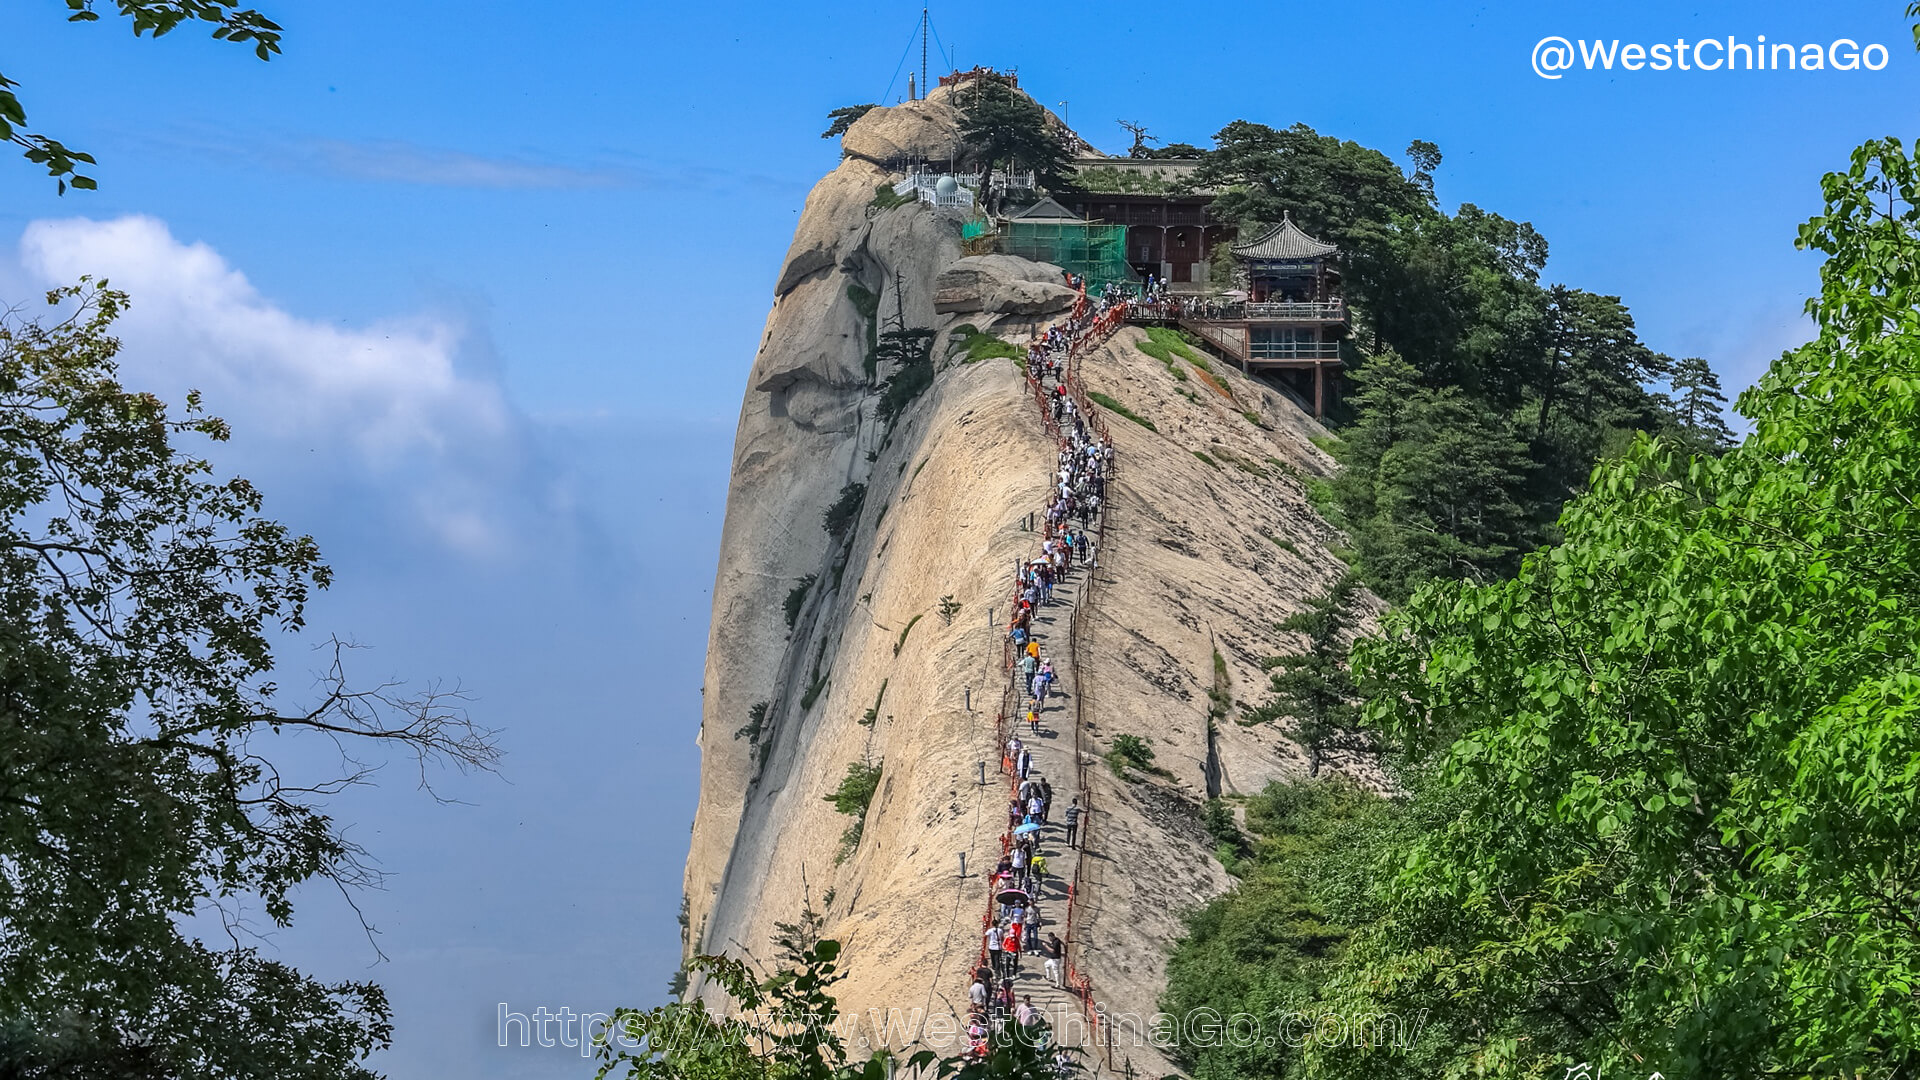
{"x": 1314, "y": 687}
{"x": 1000, "y": 125}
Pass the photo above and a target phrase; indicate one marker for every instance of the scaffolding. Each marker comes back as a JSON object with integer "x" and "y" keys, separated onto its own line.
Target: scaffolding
{"x": 1096, "y": 252}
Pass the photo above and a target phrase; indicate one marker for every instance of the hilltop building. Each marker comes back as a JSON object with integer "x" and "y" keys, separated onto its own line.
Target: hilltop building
{"x": 1165, "y": 215}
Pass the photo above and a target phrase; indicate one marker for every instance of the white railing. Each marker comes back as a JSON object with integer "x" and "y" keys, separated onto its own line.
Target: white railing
{"x": 926, "y": 187}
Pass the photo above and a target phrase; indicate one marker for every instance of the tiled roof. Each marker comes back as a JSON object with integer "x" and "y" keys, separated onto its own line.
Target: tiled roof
{"x": 1284, "y": 241}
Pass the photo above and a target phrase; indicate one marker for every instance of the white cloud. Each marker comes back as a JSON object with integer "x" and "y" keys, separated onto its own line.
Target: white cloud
{"x": 384, "y": 404}
{"x": 410, "y": 163}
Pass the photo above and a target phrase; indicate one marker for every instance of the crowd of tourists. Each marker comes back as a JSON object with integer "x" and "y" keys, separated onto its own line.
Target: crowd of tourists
{"x": 1014, "y": 928}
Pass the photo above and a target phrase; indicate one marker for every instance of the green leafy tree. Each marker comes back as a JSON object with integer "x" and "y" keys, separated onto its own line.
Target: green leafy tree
{"x": 1678, "y": 751}
{"x": 1264, "y": 949}
{"x": 857, "y": 788}
{"x": 839, "y": 120}
{"x": 843, "y": 513}
{"x": 1698, "y": 405}
{"x": 782, "y": 1026}
{"x": 1497, "y": 356}
{"x": 139, "y": 601}
{"x": 1313, "y": 687}
{"x": 907, "y": 357}
{"x": 1433, "y": 483}
{"x": 1000, "y": 125}
{"x": 1597, "y": 369}
{"x": 1425, "y": 157}
{"x": 1340, "y": 191}
{"x": 230, "y": 22}
{"x": 1458, "y": 296}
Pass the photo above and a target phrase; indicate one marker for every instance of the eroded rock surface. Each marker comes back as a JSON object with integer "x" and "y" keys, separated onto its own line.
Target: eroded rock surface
{"x": 1204, "y": 555}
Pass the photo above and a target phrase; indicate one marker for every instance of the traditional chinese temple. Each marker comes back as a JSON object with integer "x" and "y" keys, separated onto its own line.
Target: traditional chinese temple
{"x": 1169, "y": 236}
{"x": 1292, "y": 319}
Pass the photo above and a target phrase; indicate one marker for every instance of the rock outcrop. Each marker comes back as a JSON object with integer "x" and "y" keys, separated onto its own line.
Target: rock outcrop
{"x": 928, "y": 130}
{"x": 1211, "y": 541}
{"x": 1002, "y": 284}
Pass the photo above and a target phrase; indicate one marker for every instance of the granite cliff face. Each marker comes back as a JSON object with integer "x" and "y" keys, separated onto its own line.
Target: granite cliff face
{"x": 1210, "y": 541}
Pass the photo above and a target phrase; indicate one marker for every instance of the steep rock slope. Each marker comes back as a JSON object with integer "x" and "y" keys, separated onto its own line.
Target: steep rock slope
{"x": 1201, "y": 556}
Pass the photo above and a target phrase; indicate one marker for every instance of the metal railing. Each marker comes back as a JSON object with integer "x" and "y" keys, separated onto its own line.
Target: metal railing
{"x": 1202, "y": 309}
{"x": 1305, "y": 311}
{"x": 1293, "y": 350}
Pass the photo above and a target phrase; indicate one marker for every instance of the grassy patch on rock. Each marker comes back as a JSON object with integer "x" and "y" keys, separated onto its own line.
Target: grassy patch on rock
{"x": 1107, "y": 402}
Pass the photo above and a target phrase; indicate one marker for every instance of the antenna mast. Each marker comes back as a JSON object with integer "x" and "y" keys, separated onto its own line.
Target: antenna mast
{"x": 923, "y": 50}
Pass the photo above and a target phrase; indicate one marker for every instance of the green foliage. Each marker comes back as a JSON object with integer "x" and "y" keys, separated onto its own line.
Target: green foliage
{"x": 141, "y": 734}
{"x": 1220, "y": 694}
{"x": 1670, "y": 768}
{"x": 814, "y": 689}
{"x": 974, "y": 345}
{"x": 867, "y": 303}
{"x": 904, "y": 631}
{"x": 1164, "y": 343}
{"x": 1218, "y": 818}
{"x": 1251, "y": 468}
{"x": 856, "y": 789}
{"x": 149, "y": 17}
{"x": 1204, "y": 457}
{"x": 1339, "y": 191}
{"x": 783, "y": 1026}
{"x": 751, "y": 730}
{"x": 1131, "y": 751}
{"x": 1697, "y": 405}
{"x": 1106, "y": 401}
{"x": 1106, "y": 178}
{"x": 1266, "y": 947}
{"x": 1313, "y": 687}
{"x": 839, "y": 120}
{"x": 1223, "y": 270}
{"x": 872, "y": 716}
{"x": 796, "y": 597}
{"x": 1434, "y": 483}
{"x": 840, "y": 517}
{"x": 908, "y": 356}
{"x": 1526, "y": 386}
{"x": 1001, "y": 125}
{"x": 885, "y": 198}
{"x": 949, "y": 607}
{"x": 849, "y": 841}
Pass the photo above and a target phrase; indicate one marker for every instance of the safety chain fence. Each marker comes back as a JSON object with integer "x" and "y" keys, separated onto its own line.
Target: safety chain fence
{"x": 1084, "y": 331}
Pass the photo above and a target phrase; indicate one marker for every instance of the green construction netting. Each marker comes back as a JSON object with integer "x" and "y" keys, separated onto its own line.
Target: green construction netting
{"x": 1095, "y": 252}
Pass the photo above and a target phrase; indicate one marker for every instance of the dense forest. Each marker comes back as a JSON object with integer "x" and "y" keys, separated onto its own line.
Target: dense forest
{"x": 1644, "y": 703}
{"x": 1481, "y": 398}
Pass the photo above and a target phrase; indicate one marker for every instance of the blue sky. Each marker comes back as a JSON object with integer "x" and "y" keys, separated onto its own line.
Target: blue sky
{"x": 479, "y": 283}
